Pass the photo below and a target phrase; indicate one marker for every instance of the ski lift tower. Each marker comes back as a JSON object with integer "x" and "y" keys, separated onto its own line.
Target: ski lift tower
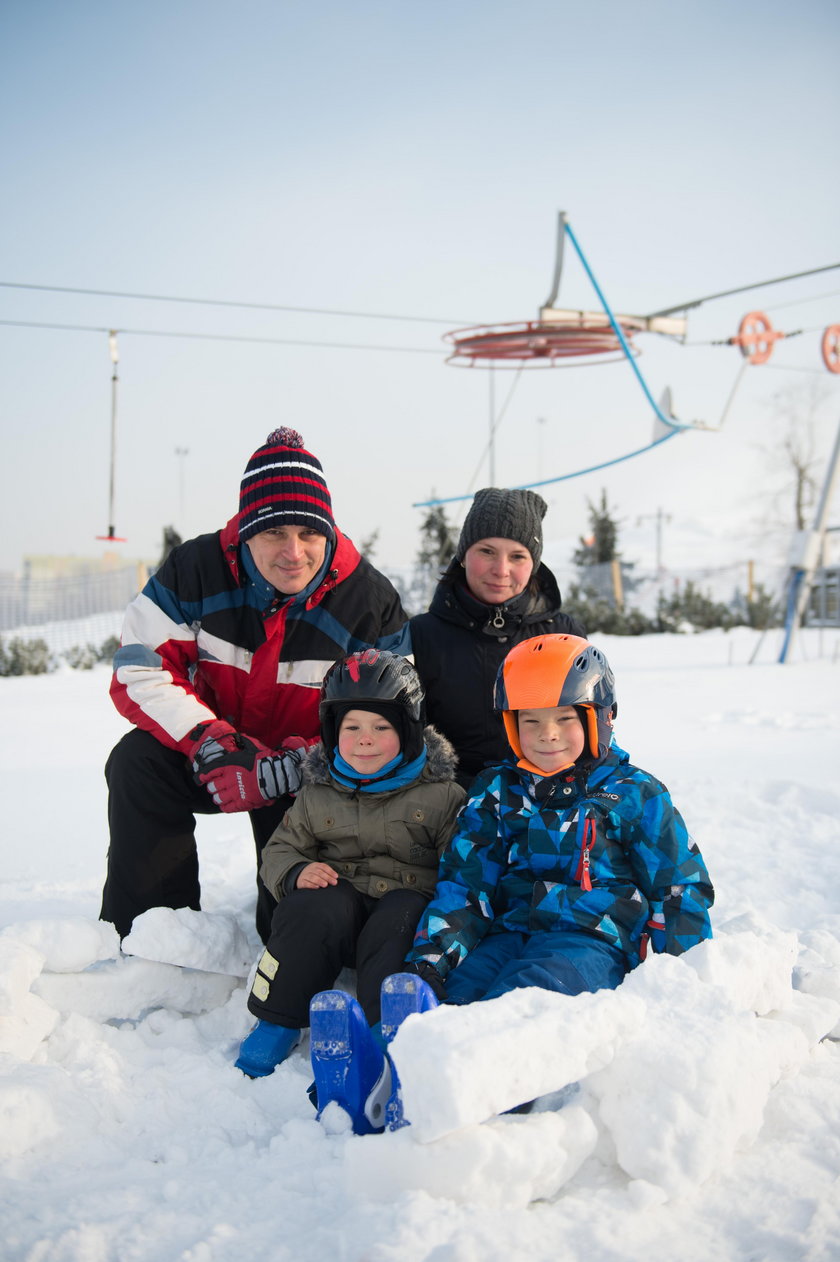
{"x": 807, "y": 551}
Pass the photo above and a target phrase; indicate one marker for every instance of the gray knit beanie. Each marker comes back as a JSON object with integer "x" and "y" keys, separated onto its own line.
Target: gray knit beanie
{"x": 496, "y": 513}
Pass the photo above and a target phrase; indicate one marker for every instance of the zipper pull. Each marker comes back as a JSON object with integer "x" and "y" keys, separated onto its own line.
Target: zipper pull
{"x": 588, "y": 842}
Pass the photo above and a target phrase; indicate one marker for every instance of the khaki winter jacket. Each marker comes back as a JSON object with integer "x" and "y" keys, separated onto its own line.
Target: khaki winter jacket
{"x": 378, "y": 841}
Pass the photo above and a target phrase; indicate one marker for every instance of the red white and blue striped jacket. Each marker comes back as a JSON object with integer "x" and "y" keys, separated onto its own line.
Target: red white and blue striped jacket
{"x": 208, "y": 638}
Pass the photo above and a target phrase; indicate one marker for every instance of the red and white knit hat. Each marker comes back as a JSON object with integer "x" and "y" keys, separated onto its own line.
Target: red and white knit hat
{"x": 283, "y": 485}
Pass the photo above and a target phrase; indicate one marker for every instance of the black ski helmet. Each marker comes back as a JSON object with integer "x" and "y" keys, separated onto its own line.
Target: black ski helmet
{"x": 375, "y": 680}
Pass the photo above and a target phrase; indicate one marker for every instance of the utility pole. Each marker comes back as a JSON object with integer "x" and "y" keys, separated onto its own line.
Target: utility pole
{"x": 113, "y": 351}
{"x": 492, "y": 443}
{"x": 660, "y": 518}
{"x": 541, "y": 422}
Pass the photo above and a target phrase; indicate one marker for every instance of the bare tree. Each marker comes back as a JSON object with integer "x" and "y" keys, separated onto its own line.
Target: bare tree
{"x": 791, "y": 457}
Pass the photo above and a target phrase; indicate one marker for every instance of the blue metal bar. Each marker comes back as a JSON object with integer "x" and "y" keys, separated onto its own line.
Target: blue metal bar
{"x": 563, "y": 477}
{"x": 619, "y": 332}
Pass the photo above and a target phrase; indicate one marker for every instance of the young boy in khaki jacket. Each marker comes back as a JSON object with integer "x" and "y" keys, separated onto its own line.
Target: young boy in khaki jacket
{"x": 355, "y": 859}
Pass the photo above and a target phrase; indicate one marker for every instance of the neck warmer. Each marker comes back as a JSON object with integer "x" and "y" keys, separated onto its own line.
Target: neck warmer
{"x": 394, "y": 775}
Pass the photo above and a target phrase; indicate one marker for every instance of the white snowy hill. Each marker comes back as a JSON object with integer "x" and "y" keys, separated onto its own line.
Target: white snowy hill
{"x": 693, "y": 1114}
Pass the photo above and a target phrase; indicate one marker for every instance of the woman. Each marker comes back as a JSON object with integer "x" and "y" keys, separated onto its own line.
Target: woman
{"x": 494, "y": 593}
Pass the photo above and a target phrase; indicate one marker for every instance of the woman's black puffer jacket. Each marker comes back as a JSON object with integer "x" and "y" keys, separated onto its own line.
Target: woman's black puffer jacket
{"x": 458, "y": 647}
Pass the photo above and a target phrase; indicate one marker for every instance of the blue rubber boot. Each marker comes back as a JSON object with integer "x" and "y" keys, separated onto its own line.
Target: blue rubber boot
{"x": 347, "y": 1060}
{"x": 265, "y": 1048}
{"x": 401, "y": 994}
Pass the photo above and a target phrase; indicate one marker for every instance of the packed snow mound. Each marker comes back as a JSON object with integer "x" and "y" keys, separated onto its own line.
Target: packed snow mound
{"x": 211, "y": 941}
{"x": 68, "y": 945}
{"x": 653, "y": 1072}
{"x": 660, "y": 1061}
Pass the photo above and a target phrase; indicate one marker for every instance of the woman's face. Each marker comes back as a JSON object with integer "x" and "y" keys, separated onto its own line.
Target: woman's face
{"x": 497, "y": 570}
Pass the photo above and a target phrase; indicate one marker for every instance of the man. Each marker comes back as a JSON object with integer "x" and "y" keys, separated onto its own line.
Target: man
{"x": 220, "y": 668}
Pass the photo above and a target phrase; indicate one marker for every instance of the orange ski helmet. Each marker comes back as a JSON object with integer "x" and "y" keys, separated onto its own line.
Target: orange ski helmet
{"x": 556, "y": 670}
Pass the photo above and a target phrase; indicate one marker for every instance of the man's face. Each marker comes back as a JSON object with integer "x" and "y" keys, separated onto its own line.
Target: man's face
{"x": 288, "y": 557}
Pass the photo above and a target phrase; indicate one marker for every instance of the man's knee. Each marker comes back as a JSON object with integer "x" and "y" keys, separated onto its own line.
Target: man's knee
{"x": 147, "y": 777}
{"x": 140, "y": 752}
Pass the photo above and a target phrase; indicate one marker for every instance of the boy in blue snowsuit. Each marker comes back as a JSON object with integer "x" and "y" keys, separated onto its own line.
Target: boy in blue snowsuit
{"x": 567, "y": 863}
{"x": 568, "y": 860}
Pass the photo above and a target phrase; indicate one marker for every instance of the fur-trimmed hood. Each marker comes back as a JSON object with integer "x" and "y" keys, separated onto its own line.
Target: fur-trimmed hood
{"x": 441, "y": 762}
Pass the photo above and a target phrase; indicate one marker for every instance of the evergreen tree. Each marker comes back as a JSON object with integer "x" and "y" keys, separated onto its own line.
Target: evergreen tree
{"x": 369, "y": 544}
{"x": 171, "y": 539}
{"x": 438, "y": 540}
{"x": 602, "y": 544}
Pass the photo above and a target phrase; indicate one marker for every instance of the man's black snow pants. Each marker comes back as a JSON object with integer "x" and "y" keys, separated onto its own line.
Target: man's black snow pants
{"x": 317, "y": 933}
{"x": 152, "y": 858}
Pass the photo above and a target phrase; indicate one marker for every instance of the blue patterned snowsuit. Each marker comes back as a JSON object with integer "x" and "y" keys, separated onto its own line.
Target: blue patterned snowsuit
{"x": 559, "y": 882}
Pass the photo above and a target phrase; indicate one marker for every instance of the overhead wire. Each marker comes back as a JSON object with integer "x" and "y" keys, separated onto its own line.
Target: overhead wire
{"x": 226, "y": 302}
{"x": 223, "y": 337}
{"x": 741, "y": 289}
{"x": 328, "y": 345}
{"x": 798, "y": 302}
{"x": 496, "y": 423}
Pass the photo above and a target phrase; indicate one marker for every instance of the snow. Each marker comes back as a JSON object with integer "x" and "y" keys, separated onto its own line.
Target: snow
{"x": 694, "y": 1113}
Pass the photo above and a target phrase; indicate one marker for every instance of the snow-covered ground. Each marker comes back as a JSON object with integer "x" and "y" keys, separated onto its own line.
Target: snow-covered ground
{"x": 693, "y": 1114}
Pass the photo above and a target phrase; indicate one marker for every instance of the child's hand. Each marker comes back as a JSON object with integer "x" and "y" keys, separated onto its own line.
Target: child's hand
{"x": 316, "y": 876}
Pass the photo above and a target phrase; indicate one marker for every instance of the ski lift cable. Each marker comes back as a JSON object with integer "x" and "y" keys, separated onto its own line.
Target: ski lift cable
{"x": 225, "y": 302}
{"x": 799, "y": 302}
{"x": 742, "y": 289}
{"x": 224, "y": 337}
{"x": 817, "y": 372}
{"x": 497, "y": 422}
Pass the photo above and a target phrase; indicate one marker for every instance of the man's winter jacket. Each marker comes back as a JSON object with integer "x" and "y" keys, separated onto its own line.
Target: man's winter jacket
{"x": 209, "y": 638}
{"x": 458, "y": 647}
{"x": 377, "y": 841}
{"x": 605, "y": 853}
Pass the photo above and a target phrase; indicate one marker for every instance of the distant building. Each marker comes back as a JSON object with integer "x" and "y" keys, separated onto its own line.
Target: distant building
{"x": 61, "y": 588}
{"x": 824, "y": 604}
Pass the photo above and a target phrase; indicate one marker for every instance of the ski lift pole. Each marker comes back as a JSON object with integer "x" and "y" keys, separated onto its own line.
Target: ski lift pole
{"x": 802, "y": 571}
{"x": 115, "y": 359}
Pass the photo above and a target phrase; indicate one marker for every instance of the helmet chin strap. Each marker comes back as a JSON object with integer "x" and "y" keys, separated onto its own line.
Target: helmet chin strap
{"x": 512, "y": 732}
{"x": 539, "y": 771}
{"x": 590, "y": 727}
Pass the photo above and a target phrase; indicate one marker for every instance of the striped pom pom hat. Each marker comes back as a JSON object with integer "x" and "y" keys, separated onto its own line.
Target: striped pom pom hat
{"x": 283, "y": 485}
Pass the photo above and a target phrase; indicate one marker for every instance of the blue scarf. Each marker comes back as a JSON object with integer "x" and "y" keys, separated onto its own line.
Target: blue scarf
{"x": 394, "y": 775}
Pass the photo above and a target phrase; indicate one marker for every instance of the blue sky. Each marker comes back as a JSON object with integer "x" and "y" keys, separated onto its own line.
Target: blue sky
{"x": 410, "y": 160}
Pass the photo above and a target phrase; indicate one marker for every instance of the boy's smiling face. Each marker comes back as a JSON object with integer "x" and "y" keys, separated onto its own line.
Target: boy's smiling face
{"x": 552, "y": 738}
{"x": 367, "y": 741}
